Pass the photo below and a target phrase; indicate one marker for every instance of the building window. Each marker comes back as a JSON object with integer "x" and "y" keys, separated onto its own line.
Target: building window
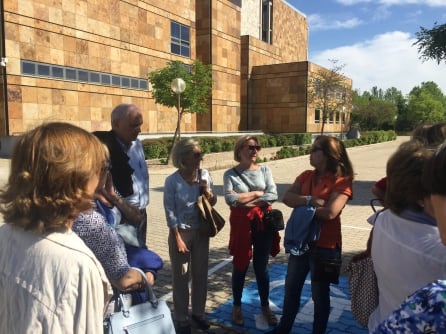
{"x": 179, "y": 39}
{"x": 317, "y": 116}
{"x": 267, "y": 21}
{"x": 338, "y": 117}
{"x": 36, "y": 69}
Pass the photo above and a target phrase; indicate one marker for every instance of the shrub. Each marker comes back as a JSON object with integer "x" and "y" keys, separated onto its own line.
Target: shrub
{"x": 157, "y": 148}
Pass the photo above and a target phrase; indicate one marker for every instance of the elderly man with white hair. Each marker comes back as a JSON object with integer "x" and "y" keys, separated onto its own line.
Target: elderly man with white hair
{"x": 129, "y": 169}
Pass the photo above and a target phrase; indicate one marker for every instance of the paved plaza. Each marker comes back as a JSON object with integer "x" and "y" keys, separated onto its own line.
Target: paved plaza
{"x": 369, "y": 164}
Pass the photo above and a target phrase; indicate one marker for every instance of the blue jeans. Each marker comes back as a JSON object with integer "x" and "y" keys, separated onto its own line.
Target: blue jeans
{"x": 297, "y": 270}
{"x": 261, "y": 242}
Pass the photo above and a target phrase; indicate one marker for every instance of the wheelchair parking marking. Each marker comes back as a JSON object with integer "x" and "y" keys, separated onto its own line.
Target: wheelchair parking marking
{"x": 341, "y": 319}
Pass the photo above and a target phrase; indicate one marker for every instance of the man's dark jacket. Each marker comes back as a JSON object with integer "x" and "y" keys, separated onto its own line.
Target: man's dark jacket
{"x": 121, "y": 170}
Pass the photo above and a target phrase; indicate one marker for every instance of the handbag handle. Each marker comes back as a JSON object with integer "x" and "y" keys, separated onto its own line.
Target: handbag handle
{"x": 150, "y": 295}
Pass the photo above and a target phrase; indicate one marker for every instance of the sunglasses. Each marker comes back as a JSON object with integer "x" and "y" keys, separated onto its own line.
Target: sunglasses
{"x": 254, "y": 147}
{"x": 198, "y": 155}
{"x": 315, "y": 149}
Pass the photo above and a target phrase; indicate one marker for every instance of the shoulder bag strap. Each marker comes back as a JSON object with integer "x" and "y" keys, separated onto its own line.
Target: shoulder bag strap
{"x": 242, "y": 178}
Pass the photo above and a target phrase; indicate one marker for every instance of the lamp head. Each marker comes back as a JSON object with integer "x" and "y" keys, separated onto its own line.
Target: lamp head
{"x": 178, "y": 85}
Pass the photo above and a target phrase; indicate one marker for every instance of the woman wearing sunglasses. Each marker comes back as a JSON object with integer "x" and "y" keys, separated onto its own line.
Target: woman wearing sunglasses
{"x": 249, "y": 190}
{"x": 327, "y": 187}
{"x": 188, "y": 248}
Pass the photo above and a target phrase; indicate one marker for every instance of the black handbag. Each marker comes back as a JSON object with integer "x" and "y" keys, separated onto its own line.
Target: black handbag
{"x": 326, "y": 269}
{"x": 273, "y": 219}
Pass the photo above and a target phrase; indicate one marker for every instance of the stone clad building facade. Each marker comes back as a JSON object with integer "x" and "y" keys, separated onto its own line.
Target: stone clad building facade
{"x": 65, "y": 60}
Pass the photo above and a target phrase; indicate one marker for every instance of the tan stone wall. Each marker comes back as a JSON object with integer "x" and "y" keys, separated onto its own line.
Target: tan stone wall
{"x": 132, "y": 38}
{"x": 290, "y": 33}
{"x": 279, "y": 97}
{"x": 289, "y": 45}
{"x": 220, "y": 40}
{"x": 128, "y": 38}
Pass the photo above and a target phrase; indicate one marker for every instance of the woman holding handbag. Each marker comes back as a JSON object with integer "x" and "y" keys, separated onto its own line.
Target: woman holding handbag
{"x": 249, "y": 190}
{"x": 188, "y": 247}
{"x": 327, "y": 187}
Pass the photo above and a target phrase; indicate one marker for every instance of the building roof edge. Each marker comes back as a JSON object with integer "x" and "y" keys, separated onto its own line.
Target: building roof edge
{"x": 297, "y": 10}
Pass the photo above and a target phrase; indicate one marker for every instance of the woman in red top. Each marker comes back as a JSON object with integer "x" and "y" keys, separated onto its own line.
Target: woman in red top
{"x": 328, "y": 188}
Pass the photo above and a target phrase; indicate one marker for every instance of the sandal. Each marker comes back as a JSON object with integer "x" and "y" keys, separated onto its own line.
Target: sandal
{"x": 237, "y": 316}
{"x": 270, "y": 317}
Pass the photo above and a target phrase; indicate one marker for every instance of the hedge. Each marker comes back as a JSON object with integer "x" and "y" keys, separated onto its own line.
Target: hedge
{"x": 293, "y": 144}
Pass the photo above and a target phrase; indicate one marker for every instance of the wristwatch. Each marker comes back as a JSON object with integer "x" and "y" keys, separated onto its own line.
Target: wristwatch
{"x": 308, "y": 200}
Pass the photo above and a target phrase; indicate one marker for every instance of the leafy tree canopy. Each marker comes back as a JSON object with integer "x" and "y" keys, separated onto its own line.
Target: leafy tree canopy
{"x": 426, "y": 104}
{"x": 375, "y": 110}
{"x": 198, "y": 79}
{"x": 194, "y": 99}
{"x": 432, "y": 43}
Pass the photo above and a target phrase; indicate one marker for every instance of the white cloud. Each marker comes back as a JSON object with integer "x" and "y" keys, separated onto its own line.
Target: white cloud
{"x": 387, "y": 60}
{"x": 381, "y": 13}
{"x": 432, "y": 3}
{"x": 317, "y": 22}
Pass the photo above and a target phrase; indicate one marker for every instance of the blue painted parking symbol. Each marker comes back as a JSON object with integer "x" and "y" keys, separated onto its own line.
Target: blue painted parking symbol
{"x": 341, "y": 319}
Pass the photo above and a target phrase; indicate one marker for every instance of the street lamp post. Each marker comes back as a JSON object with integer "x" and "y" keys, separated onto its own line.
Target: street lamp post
{"x": 178, "y": 86}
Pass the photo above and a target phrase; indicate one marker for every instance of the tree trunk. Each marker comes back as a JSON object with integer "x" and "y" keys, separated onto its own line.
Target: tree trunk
{"x": 177, "y": 132}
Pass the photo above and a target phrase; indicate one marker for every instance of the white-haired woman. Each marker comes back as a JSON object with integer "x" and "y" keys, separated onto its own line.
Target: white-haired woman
{"x": 188, "y": 248}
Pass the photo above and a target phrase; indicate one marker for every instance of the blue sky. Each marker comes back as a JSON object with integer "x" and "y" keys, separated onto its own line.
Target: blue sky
{"x": 374, "y": 38}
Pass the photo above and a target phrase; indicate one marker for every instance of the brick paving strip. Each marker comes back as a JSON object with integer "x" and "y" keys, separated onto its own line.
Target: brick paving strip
{"x": 369, "y": 163}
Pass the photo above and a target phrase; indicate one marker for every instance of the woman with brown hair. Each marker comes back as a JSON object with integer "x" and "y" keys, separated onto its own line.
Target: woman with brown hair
{"x": 50, "y": 281}
{"x": 327, "y": 187}
{"x": 249, "y": 191}
{"x": 406, "y": 238}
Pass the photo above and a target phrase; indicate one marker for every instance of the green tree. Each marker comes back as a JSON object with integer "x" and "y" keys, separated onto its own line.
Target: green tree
{"x": 195, "y": 98}
{"x": 432, "y": 43}
{"x": 372, "y": 111}
{"x": 328, "y": 91}
{"x": 426, "y": 105}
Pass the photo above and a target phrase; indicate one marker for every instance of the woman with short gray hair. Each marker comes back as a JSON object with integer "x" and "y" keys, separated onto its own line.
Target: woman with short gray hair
{"x": 188, "y": 248}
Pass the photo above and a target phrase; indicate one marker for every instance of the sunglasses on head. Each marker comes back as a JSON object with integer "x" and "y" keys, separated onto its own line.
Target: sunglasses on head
{"x": 254, "y": 147}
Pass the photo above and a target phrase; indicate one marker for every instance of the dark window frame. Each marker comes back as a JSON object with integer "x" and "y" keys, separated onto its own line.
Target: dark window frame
{"x": 58, "y": 72}
{"x": 179, "y": 39}
{"x": 317, "y": 116}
